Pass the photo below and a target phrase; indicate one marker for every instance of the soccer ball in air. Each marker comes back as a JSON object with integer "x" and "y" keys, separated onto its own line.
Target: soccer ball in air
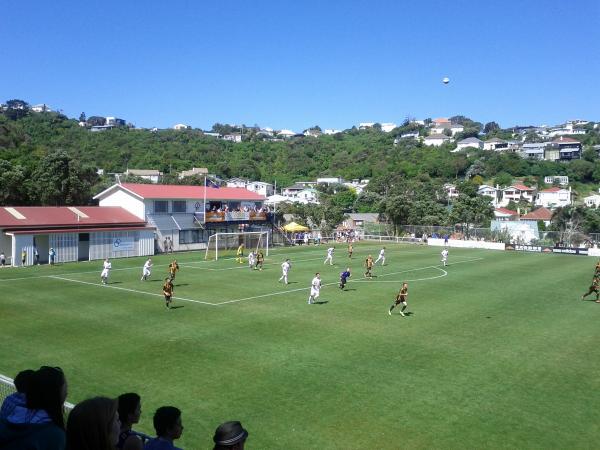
{"x": 446, "y": 80}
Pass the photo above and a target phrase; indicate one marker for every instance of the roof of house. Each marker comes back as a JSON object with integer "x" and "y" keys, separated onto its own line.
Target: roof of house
{"x": 506, "y": 211}
{"x": 441, "y": 120}
{"x": 538, "y": 214}
{"x": 56, "y": 216}
{"x": 563, "y": 139}
{"x": 470, "y": 140}
{"x": 169, "y": 191}
{"x": 553, "y": 189}
{"x": 367, "y": 217}
{"x": 496, "y": 141}
{"x": 521, "y": 187}
{"x": 437, "y": 136}
{"x": 194, "y": 171}
{"x": 142, "y": 172}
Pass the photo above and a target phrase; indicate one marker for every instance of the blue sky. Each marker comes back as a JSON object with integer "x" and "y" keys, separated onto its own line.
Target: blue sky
{"x": 295, "y": 64}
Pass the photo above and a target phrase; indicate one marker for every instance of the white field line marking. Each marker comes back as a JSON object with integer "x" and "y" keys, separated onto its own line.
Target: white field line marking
{"x": 129, "y": 290}
{"x": 333, "y": 283}
{"x": 444, "y": 273}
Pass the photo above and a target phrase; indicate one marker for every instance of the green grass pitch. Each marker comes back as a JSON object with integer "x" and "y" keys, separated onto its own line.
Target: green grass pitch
{"x": 499, "y": 351}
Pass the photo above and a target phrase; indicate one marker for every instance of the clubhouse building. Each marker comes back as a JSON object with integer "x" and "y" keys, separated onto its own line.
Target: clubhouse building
{"x": 80, "y": 233}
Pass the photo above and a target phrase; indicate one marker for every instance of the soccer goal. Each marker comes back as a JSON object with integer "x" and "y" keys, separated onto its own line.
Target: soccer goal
{"x": 218, "y": 243}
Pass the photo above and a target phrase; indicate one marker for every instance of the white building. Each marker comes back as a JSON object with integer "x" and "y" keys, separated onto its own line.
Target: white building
{"x": 233, "y": 137}
{"x": 563, "y": 180}
{"x": 330, "y": 180}
{"x": 495, "y": 144}
{"x": 357, "y": 185}
{"x": 42, "y": 107}
{"x": 436, "y": 140}
{"x": 516, "y": 193}
{"x": 489, "y": 191}
{"x": 330, "y": 131}
{"x": 388, "y": 126}
{"x": 535, "y": 150}
{"x": 451, "y": 190}
{"x": 469, "y": 142}
{"x": 553, "y": 197}
{"x": 592, "y": 201}
{"x": 181, "y": 126}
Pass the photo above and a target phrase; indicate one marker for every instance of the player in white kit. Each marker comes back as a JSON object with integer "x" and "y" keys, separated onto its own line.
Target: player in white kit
{"x": 147, "y": 269}
{"x": 285, "y": 268}
{"x": 105, "y": 271}
{"x": 251, "y": 260}
{"x": 445, "y": 256}
{"x": 381, "y": 257}
{"x": 315, "y": 288}
{"x": 329, "y": 258}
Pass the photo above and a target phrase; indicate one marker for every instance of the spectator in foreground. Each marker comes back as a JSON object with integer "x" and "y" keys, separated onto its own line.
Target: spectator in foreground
{"x": 230, "y": 436}
{"x": 167, "y": 423}
{"x": 130, "y": 409}
{"x": 93, "y": 425}
{"x": 39, "y": 425}
{"x": 19, "y": 398}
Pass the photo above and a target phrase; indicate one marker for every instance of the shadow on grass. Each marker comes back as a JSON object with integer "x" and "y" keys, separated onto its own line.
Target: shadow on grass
{"x": 324, "y": 302}
{"x": 177, "y": 307}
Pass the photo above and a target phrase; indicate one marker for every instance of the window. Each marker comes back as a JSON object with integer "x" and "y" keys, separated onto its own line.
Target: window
{"x": 161, "y": 207}
{"x": 179, "y": 206}
{"x": 191, "y": 236}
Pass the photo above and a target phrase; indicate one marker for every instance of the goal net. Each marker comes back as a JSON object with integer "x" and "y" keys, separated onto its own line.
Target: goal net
{"x": 226, "y": 244}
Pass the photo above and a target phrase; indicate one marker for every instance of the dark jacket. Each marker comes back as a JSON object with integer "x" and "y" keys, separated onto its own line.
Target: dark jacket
{"x": 23, "y": 430}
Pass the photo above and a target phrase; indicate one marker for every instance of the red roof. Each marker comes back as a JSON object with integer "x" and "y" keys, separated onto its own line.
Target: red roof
{"x": 552, "y": 189}
{"x": 563, "y": 139}
{"x": 538, "y": 214}
{"x": 77, "y": 230}
{"x": 190, "y": 192}
{"x": 506, "y": 211}
{"x": 521, "y": 187}
{"x": 61, "y": 216}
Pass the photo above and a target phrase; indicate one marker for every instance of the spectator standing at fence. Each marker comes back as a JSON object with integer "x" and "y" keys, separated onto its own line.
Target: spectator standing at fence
{"x": 36, "y": 256}
{"x": 167, "y": 423}
{"x": 51, "y": 256}
{"x": 19, "y": 398}
{"x": 446, "y": 240}
{"x": 39, "y": 425}
{"x": 230, "y": 436}
{"x": 2, "y": 259}
{"x": 23, "y": 257}
{"x": 170, "y": 245}
{"x": 130, "y": 409}
{"x": 166, "y": 246}
{"x": 93, "y": 425}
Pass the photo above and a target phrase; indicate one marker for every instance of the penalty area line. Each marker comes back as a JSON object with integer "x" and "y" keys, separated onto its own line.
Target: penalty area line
{"x": 130, "y": 290}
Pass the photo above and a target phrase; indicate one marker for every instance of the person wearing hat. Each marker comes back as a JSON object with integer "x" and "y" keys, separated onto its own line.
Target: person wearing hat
{"x": 230, "y": 436}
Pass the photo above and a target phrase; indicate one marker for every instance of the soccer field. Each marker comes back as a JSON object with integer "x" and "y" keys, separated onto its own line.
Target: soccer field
{"x": 499, "y": 351}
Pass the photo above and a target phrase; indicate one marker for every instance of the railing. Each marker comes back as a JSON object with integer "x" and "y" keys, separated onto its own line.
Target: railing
{"x": 234, "y": 216}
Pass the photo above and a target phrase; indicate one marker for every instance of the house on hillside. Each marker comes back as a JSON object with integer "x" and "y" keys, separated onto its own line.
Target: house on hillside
{"x": 232, "y": 137}
{"x": 542, "y": 214}
{"x": 42, "y": 107}
{"x": 468, "y": 142}
{"x": 563, "y": 149}
{"x": 563, "y": 180}
{"x": 505, "y": 214}
{"x": 553, "y": 197}
{"x": 188, "y": 215}
{"x": 436, "y": 140}
{"x": 151, "y": 175}
{"x": 592, "y": 201}
{"x": 260, "y": 187}
{"x": 194, "y": 172}
{"x": 354, "y": 221}
{"x": 451, "y": 190}
{"x": 490, "y": 191}
{"x": 388, "y": 126}
{"x": 536, "y": 150}
{"x": 495, "y": 144}
{"x": 517, "y": 193}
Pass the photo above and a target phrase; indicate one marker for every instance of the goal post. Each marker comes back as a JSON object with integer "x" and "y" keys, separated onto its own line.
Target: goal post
{"x": 222, "y": 243}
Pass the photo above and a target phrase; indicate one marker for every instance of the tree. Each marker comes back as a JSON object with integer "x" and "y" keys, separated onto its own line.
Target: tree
{"x": 471, "y": 212}
{"x": 503, "y": 179}
{"x": 96, "y": 121}
{"x": 59, "y": 180}
{"x": 12, "y": 188}
{"x": 16, "y": 109}
{"x": 491, "y": 127}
